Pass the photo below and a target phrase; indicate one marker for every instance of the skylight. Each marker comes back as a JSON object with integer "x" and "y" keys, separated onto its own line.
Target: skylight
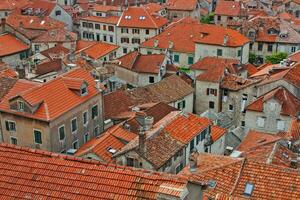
{"x": 111, "y": 150}
{"x": 248, "y": 189}
{"x": 212, "y": 184}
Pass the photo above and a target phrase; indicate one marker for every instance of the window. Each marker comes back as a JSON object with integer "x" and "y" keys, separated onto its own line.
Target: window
{"x": 270, "y": 47}
{"x": 178, "y": 154}
{"x": 230, "y": 108}
{"x": 203, "y": 134}
{"x": 104, "y": 27}
{"x": 97, "y": 26}
{"x": 147, "y": 31}
{"x": 251, "y": 46}
{"x": 85, "y": 118}
{"x": 260, "y": 47}
{"x": 243, "y": 123}
{"x": 239, "y": 53}
{"x": 179, "y": 168}
{"x": 104, "y": 38}
{"x": 219, "y": 52}
{"x": 84, "y": 24}
{"x": 37, "y": 136}
{"x": 151, "y": 79}
{"x": 135, "y": 41}
{"x": 192, "y": 145}
{"x": 190, "y": 60}
{"x": 248, "y": 189}
{"x": 219, "y": 17}
{"x": 125, "y": 50}
{"x": 124, "y": 40}
{"x": 14, "y": 140}
{"x": 198, "y": 138}
{"x": 111, "y": 39}
{"x": 83, "y": 90}
{"x": 135, "y": 31}
{"x": 86, "y": 137}
{"x": 211, "y": 105}
{"x": 36, "y": 48}
{"x": 94, "y": 111}
{"x": 211, "y": 91}
{"x": 130, "y": 162}
{"x": 90, "y": 25}
{"x": 260, "y": 122}
{"x": 293, "y": 49}
{"x": 149, "y": 52}
{"x": 111, "y": 28}
{"x": 98, "y": 37}
{"x": 176, "y": 58}
{"x": 124, "y": 30}
{"x": 96, "y": 130}
{"x": 10, "y": 125}
{"x": 57, "y": 13}
{"x": 74, "y": 125}
{"x": 75, "y": 144}
{"x": 21, "y": 105}
{"x": 61, "y": 132}
{"x": 66, "y": 2}
{"x": 99, "y": 14}
{"x": 280, "y": 125}
{"x": 181, "y": 105}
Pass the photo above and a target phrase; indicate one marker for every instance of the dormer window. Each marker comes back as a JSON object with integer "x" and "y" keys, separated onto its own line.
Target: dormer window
{"x": 21, "y": 105}
{"x": 83, "y": 90}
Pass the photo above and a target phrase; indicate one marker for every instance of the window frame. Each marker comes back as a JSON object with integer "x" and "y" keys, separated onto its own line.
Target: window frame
{"x": 75, "y": 118}
{"x": 87, "y": 118}
{"x": 34, "y": 136}
{"x": 13, "y": 137}
{"x": 96, "y": 116}
{"x": 8, "y": 122}
{"x": 58, "y": 130}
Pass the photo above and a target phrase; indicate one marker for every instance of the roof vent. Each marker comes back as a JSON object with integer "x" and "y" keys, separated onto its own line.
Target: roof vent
{"x": 142, "y": 18}
{"x": 111, "y": 150}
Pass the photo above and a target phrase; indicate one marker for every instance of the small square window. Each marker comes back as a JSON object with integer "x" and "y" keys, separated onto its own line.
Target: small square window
{"x": 85, "y": 118}
{"x": 74, "y": 125}
{"x": 176, "y": 58}
{"x": 190, "y": 60}
{"x": 94, "y": 111}
{"x": 230, "y": 108}
{"x": 86, "y": 137}
{"x": 75, "y": 144}
{"x": 10, "y": 125}
{"x": 125, "y": 50}
{"x": 21, "y": 105}
{"x": 260, "y": 47}
{"x": 151, "y": 79}
{"x": 243, "y": 123}
{"x": 83, "y": 91}
{"x": 61, "y": 132}
{"x": 147, "y": 31}
{"x": 270, "y": 47}
{"x": 14, "y": 140}
{"x": 211, "y": 105}
{"x": 219, "y": 52}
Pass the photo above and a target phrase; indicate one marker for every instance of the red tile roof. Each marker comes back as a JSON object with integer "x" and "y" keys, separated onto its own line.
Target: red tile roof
{"x": 187, "y": 31}
{"x": 142, "y": 63}
{"x": 228, "y": 8}
{"x": 106, "y": 20}
{"x": 153, "y": 8}
{"x": 186, "y": 126}
{"x": 44, "y": 5}
{"x": 56, "y": 35}
{"x": 10, "y": 5}
{"x": 99, "y": 50}
{"x": 48, "y": 96}
{"x": 270, "y": 181}
{"x": 115, "y": 138}
{"x": 256, "y": 138}
{"x": 217, "y": 132}
{"x": 105, "y": 8}
{"x": 295, "y": 56}
{"x": 290, "y": 104}
{"x": 182, "y": 5}
{"x": 10, "y": 45}
{"x": 29, "y": 173}
{"x": 139, "y": 17}
{"x": 7, "y": 71}
{"x": 47, "y": 67}
{"x": 58, "y": 50}
{"x": 234, "y": 82}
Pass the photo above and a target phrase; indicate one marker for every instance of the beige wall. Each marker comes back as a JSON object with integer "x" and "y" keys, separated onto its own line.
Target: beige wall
{"x": 189, "y": 103}
{"x": 271, "y": 114}
{"x": 202, "y": 99}
{"x": 204, "y": 50}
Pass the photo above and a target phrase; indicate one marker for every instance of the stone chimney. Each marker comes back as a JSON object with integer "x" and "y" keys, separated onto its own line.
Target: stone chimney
{"x": 171, "y": 45}
{"x": 142, "y": 140}
{"x": 156, "y": 43}
{"x": 193, "y": 160}
{"x": 225, "y": 40}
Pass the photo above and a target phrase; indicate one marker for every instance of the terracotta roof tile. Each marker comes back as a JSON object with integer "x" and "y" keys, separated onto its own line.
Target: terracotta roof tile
{"x": 270, "y": 181}
{"x": 49, "y": 95}
{"x": 42, "y": 173}
{"x": 6, "y": 83}
{"x": 233, "y": 82}
{"x": 11, "y": 45}
{"x": 182, "y": 5}
{"x": 139, "y": 17}
{"x": 99, "y": 50}
{"x": 228, "y": 8}
{"x": 217, "y": 132}
{"x": 47, "y": 67}
{"x": 290, "y": 104}
{"x": 187, "y": 31}
{"x": 142, "y": 63}
{"x": 107, "y": 20}
{"x": 56, "y": 35}
{"x": 56, "y": 51}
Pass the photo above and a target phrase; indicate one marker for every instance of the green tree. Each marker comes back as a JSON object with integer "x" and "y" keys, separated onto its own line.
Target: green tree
{"x": 252, "y": 58}
{"x": 276, "y": 57}
{"x": 207, "y": 19}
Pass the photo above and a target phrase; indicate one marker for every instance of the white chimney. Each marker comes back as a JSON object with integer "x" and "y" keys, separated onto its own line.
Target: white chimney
{"x": 171, "y": 44}
{"x": 225, "y": 40}
{"x": 155, "y": 43}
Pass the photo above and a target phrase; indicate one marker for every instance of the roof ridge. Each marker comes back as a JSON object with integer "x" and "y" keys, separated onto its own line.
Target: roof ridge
{"x": 238, "y": 177}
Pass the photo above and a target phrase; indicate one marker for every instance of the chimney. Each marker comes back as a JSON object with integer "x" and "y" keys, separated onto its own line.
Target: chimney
{"x": 225, "y": 40}
{"x": 155, "y": 43}
{"x": 142, "y": 140}
{"x": 98, "y": 85}
{"x": 193, "y": 160}
{"x": 294, "y": 164}
{"x": 171, "y": 44}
